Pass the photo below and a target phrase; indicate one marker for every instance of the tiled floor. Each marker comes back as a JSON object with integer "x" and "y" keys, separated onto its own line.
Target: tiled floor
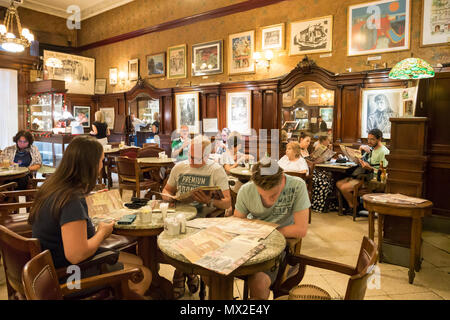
{"x": 338, "y": 238}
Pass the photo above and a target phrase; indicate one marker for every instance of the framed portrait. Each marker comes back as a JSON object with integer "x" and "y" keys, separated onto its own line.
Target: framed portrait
{"x": 435, "y": 23}
{"x": 109, "y": 116}
{"x": 288, "y": 98}
{"x": 156, "y": 65}
{"x": 176, "y": 62}
{"x": 311, "y": 36}
{"x": 380, "y": 26}
{"x": 187, "y": 111}
{"x": 100, "y": 86}
{"x": 378, "y": 105}
{"x": 207, "y": 58}
{"x": 82, "y": 115}
{"x": 272, "y": 37}
{"x": 240, "y": 52}
{"x": 300, "y": 93}
{"x": 133, "y": 69}
{"x": 327, "y": 116}
{"x": 314, "y": 96}
{"x": 113, "y": 75}
{"x": 239, "y": 112}
{"x": 78, "y": 72}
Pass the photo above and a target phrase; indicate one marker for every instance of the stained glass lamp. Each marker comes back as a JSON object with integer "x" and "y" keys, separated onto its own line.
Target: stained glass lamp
{"x": 412, "y": 68}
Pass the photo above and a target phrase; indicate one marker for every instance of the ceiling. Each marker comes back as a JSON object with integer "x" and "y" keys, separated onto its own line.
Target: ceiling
{"x": 89, "y": 8}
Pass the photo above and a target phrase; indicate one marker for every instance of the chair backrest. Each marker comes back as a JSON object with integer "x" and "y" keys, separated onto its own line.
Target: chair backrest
{"x": 149, "y": 145}
{"x": 126, "y": 168}
{"x": 357, "y": 284}
{"x": 148, "y": 152}
{"x": 16, "y": 252}
{"x": 130, "y": 153}
{"x": 39, "y": 278}
{"x": 296, "y": 174}
{"x": 8, "y": 187}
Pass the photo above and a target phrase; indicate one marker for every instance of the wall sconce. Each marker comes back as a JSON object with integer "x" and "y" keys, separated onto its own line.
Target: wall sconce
{"x": 268, "y": 56}
{"x": 122, "y": 77}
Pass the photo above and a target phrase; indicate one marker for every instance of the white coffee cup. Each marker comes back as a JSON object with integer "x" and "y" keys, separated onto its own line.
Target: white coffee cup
{"x": 164, "y": 206}
{"x": 173, "y": 226}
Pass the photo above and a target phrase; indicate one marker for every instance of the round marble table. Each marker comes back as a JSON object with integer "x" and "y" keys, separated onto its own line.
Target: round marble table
{"x": 12, "y": 174}
{"x": 146, "y": 233}
{"x": 243, "y": 174}
{"x": 154, "y": 161}
{"x": 221, "y": 286}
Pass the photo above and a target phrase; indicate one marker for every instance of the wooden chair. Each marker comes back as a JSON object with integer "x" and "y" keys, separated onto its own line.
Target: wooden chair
{"x": 8, "y": 186}
{"x": 359, "y": 275}
{"x": 40, "y": 281}
{"x": 149, "y": 152}
{"x": 10, "y": 207}
{"x": 131, "y": 176}
{"x": 130, "y": 153}
{"x": 150, "y": 145}
{"x": 17, "y": 250}
{"x": 308, "y": 181}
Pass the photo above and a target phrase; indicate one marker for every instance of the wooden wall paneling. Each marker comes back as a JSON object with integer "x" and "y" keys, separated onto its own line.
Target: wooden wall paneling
{"x": 257, "y": 111}
{"x": 350, "y": 119}
{"x": 337, "y": 116}
{"x": 222, "y": 120}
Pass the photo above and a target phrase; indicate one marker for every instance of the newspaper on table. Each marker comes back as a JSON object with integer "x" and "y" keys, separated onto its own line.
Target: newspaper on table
{"x": 322, "y": 154}
{"x": 351, "y": 154}
{"x": 106, "y": 206}
{"x": 396, "y": 198}
{"x": 216, "y": 250}
{"x": 213, "y": 191}
{"x": 256, "y": 229}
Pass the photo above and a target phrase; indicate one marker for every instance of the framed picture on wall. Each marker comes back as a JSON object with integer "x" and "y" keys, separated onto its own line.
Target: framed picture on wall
{"x": 239, "y": 112}
{"x": 100, "y": 86}
{"x": 82, "y": 115}
{"x": 272, "y": 37}
{"x": 240, "y": 52}
{"x": 113, "y": 75}
{"x": 207, "y": 58}
{"x": 187, "y": 111}
{"x": 287, "y": 98}
{"x": 300, "y": 93}
{"x": 380, "y": 26}
{"x": 378, "y": 105}
{"x": 133, "y": 69}
{"x": 314, "y": 96}
{"x": 176, "y": 62}
{"x": 435, "y": 23}
{"x": 78, "y": 72}
{"x": 311, "y": 36}
{"x": 109, "y": 116}
{"x": 156, "y": 65}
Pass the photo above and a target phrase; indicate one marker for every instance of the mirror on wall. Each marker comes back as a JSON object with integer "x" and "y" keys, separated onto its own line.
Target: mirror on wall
{"x": 147, "y": 109}
{"x": 302, "y": 107}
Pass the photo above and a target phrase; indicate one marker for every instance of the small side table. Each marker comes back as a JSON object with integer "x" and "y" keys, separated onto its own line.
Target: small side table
{"x": 414, "y": 211}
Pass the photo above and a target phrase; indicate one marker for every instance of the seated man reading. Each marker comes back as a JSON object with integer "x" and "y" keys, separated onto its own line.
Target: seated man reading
{"x": 188, "y": 175}
{"x": 375, "y": 154}
{"x": 274, "y": 197}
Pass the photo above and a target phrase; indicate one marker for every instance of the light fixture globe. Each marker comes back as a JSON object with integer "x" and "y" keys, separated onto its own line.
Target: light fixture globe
{"x": 411, "y": 69}
{"x": 9, "y": 41}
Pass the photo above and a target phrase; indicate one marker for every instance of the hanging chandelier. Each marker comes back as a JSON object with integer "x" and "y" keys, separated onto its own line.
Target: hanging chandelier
{"x": 8, "y": 39}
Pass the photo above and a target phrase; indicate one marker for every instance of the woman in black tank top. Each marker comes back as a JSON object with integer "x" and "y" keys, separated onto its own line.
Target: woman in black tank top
{"x": 99, "y": 127}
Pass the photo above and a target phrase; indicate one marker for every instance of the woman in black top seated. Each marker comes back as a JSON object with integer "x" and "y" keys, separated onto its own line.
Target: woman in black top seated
{"x": 100, "y": 128}
{"x": 60, "y": 218}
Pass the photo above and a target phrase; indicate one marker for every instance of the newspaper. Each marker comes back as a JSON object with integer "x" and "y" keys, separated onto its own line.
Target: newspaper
{"x": 255, "y": 229}
{"x": 215, "y": 192}
{"x": 106, "y": 206}
{"x": 322, "y": 154}
{"x": 397, "y": 198}
{"x": 351, "y": 154}
{"x": 217, "y": 250}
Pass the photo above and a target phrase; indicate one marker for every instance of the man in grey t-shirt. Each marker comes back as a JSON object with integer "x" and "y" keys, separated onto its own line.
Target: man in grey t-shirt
{"x": 188, "y": 175}
{"x": 274, "y": 197}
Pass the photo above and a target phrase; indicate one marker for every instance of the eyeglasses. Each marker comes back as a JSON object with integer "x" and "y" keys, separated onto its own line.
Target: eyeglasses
{"x": 22, "y": 141}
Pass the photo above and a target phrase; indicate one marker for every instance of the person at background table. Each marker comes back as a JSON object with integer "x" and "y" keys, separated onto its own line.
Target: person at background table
{"x": 25, "y": 154}
{"x": 273, "y": 196}
{"x": 154, "y": 137}
{"x": 322, "y": 125}
{"x": 188, "y": 175}
{"x": 324, "y": 140}
{"x": 304, "y": 140}
{"x": 293, "y": 160}
{"x": 60, "y": 218}
{"x": 232, "y": 158}
{"x": 375, "y": 153}
{"x": 222, "y": 141}
{"x": 156, "y": 121}
{"x": 180, "y": 146}
{"x": 100, "y": 128}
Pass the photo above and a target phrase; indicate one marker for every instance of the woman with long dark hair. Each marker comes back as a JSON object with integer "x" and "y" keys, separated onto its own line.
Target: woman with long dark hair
{"x": 60, "y": 218}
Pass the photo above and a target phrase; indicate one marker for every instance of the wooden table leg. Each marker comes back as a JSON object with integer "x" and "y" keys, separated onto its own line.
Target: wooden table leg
{"x": 418, "y": 255}
{"x": 221, "y": 288}
{"x": 371, "y": 225}
{"x": 160, "y": 288}
{"x": 412, "y": 250}
{"x": 380, "y": 236}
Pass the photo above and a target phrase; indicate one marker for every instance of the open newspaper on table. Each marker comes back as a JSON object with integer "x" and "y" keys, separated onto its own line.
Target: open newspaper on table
{"x": 256, "y": 229}
{"x": 105, "y": 206}
{"x": 216, "y": 250}
{"x": 322, "y": 154}
{"x": 351, "y": 154}
{"x": 396, "y": 198}
{"x": 213, "y": 191}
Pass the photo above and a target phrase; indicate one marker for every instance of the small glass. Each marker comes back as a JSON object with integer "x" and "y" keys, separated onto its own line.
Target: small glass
{"x": 132, "y": 143}
{"x": 164, "y": 206}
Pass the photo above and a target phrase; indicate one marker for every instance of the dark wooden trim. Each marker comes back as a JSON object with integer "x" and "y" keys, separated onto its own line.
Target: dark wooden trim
{"x": 212, "y": 14}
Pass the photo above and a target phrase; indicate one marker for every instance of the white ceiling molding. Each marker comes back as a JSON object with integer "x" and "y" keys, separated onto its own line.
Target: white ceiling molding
{"x": 58, "y": 7}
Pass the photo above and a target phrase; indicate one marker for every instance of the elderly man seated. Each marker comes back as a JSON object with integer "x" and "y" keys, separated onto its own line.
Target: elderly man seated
{"x": 188, "y": 175}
